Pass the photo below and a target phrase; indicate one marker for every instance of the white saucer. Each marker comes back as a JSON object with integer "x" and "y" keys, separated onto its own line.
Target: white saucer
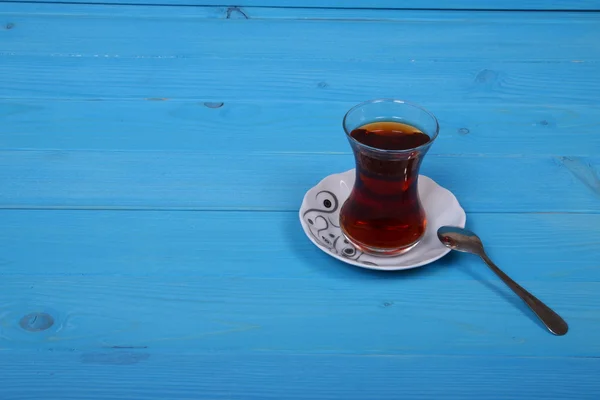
{"x": 319, "y": 216}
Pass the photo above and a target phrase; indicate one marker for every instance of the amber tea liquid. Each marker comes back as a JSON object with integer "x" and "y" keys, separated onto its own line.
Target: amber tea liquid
{"x": 383, "y": 211}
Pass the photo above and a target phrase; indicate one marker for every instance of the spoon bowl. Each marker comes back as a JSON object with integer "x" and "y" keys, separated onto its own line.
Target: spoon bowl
{"x": 460, "y": 239}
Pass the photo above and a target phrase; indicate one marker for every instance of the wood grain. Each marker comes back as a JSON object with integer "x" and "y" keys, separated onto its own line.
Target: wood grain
{"x": 294, "y": 127}
{"x": 159, "y": 32}
{"x": 132, "y": 374}
{"x": 530, "y": 247}
{"x": 225, "y": 179}
{"x": 284, "y": 80}
{"x": 185, "y": 57}
{"x": 392, "y": 316}
{"x": 223, "y": 80}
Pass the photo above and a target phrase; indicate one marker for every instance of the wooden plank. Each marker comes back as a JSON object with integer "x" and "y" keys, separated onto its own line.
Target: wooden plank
{"x": 295, "y": 316}
{"x": 206, "y": 180}
{"x": 182, "y": 60}
{"x": 131, "y": 374}
{"x": 300, "y": 127}
{"x": 408, "y": 35}
{"x": 530, "y": 247}
{"x": 281, "y": 80}
{"x": 232, "y": 12}
{"x": 383, "y": 4}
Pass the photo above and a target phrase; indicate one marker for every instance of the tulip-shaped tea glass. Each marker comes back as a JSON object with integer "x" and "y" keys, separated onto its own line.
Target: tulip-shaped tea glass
{"x": 383, "y": 214}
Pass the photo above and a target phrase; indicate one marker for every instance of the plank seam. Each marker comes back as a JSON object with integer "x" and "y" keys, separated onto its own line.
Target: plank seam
{"x": 528, "y": 10}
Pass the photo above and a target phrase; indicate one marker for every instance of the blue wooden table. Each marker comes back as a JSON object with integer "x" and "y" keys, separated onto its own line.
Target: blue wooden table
{"x": 154, "y": 154}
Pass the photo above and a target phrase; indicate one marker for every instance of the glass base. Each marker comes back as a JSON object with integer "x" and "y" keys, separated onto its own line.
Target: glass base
{"x": 379, "y": 252}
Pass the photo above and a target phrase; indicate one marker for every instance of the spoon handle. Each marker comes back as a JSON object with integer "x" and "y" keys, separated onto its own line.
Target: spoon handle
{"x": 552, "y": 320}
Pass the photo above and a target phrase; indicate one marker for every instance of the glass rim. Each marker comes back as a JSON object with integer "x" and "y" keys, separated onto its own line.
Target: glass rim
{"x": 398, "y": 101}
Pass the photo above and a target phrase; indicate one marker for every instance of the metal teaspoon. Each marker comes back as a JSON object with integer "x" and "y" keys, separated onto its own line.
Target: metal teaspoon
{"x": 466, "y": 241}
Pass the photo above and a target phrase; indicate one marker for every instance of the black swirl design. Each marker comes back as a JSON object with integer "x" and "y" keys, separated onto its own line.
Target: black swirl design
{"x": 328, "y": 210}
{"x": 332, "y": 224}
{"x": 327, "y": 233}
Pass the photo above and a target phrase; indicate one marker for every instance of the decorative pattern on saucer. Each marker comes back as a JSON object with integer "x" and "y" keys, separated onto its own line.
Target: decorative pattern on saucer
{"x": 319, "y": 217}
